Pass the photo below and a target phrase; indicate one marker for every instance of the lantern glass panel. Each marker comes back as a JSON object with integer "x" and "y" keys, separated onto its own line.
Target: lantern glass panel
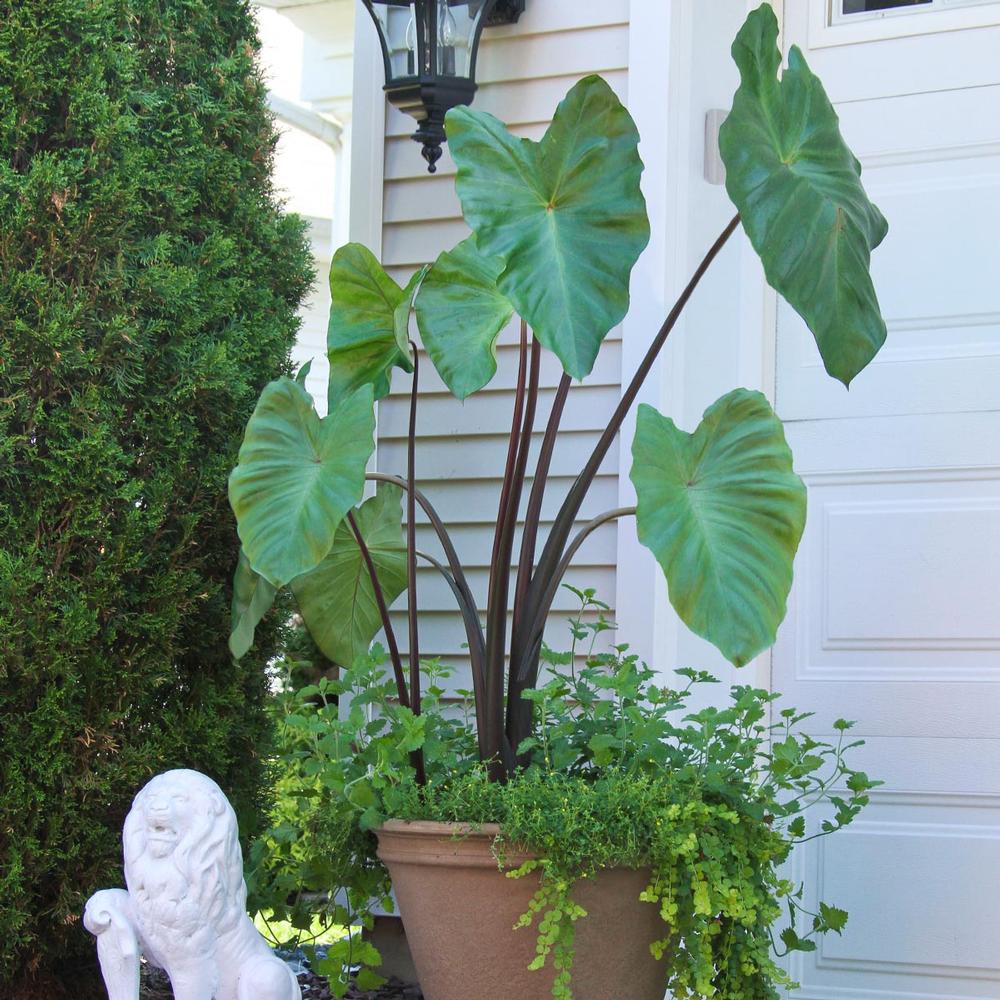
{"x": 457, "y": 28}
{"x": 399, "y": 26}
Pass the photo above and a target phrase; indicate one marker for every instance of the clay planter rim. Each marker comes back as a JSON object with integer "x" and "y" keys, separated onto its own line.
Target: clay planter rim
{"x": 448, "y": 844}
{"x": 394, "y": 834}
{"x": 444, "y": 829}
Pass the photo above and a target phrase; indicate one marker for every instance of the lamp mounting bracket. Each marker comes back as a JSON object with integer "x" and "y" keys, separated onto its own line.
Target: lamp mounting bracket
{"x": 505, "y": 12}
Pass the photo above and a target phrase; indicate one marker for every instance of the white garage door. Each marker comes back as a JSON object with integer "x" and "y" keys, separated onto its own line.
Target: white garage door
{"x": 895, "y": 615}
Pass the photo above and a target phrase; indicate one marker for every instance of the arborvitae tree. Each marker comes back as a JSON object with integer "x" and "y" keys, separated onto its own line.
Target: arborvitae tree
{"x": 149, "y": 283}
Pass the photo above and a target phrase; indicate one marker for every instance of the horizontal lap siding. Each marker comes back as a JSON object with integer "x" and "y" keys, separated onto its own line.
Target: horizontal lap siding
{"x": 523, "y": 73}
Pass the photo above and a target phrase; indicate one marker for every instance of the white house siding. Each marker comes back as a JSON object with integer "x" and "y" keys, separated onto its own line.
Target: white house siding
{"x": 523, "y": 72}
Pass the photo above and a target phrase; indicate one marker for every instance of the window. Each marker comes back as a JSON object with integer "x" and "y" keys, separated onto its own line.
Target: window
{"x": 839, "y": 22}
{"x": 869, "y": 6}
{"x": 861, "y": 10}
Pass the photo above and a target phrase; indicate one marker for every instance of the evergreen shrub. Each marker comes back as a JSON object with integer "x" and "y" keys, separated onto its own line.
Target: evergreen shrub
{"x": 149, "y": 284}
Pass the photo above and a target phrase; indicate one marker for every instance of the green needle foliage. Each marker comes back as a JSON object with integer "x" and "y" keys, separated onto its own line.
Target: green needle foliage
{"x": 149, "y": 283}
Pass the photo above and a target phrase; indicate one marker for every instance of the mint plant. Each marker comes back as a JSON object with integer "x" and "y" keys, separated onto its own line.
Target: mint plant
{"x": 619, "y": 771}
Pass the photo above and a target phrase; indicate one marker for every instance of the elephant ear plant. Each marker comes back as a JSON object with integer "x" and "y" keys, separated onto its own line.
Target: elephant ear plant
{"x": 557, "y": 226}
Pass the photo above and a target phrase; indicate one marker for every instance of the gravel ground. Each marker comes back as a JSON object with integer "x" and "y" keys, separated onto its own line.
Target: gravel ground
{"x": 156, "y": 986}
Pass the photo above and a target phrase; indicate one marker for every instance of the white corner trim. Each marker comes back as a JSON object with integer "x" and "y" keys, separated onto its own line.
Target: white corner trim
{"x": 660, "y": 100}
{"x": 323, "y": 127}
{"x": 366, "y": 170}
{"x": 368, "y": 137}
{"x": 656, "y": 96}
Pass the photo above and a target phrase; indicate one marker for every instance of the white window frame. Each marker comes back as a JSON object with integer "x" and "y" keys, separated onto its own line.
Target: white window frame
{"x": 827, "y": 26}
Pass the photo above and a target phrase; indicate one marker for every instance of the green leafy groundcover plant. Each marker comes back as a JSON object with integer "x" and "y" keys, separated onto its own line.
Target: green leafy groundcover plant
{"x": 619, "y": 772}
{"x": 149, "y": 285}
{"x": 557, "y": 226}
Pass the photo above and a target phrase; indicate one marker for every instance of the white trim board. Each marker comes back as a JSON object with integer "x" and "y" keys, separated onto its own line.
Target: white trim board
{"x": 663, "y": 45}
{"x": 368, "y": 136}
{"x": 365, "y": 179}
{"x": 654, "y": 30}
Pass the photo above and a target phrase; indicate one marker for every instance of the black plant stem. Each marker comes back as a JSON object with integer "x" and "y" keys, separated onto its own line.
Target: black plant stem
{"x": 448, "y": 578}
{"x": 525, "y": 564}
{"x": 534, "y": 632}
{"x": 443, "y": 537}
{"x": 508, "y": 472}
{"x": 411, "y": 555}
{"x": 518, "y": 709}
{"x": 463, "y": 593}
{"x": 532, "y": 514}
{"x": 556, "y": 542}
{"x": 383, "y": 610}
{"x": 501, "y": 758}
{"x": 485, "y": 716}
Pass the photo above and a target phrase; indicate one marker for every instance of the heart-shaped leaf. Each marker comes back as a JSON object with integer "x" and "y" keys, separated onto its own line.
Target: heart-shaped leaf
{"x": 337, "y": 599}
{"x": 798, "y": 189}
{"x": 369, "y": 314}
{"x": 723, "y": 512}
{"x": 460, "y": 312}
{"x": 252, "y": 599}
{"x": 298, "y": 476}
{"x": 565, "y": 215}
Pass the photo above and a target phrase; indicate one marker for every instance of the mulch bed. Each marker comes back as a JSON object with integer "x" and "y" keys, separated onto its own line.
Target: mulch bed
{"x": 314, "y": 988}
{"x": 156, "y": 986}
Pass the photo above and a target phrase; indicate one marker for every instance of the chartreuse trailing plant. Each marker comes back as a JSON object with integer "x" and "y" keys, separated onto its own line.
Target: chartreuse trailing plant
{"x": 557, "y": 226}
{"x": 618, "y": 771}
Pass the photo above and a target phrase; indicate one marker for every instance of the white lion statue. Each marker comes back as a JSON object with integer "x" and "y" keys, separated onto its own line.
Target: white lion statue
{"x": 185, "y": 908}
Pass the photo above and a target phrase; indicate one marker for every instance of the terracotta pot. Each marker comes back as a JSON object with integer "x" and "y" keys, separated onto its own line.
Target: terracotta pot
{"x": 459, "y": 911}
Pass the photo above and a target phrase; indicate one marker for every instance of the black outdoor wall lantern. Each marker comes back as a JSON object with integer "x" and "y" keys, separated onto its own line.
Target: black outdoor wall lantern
{"x": 429, "y": 48}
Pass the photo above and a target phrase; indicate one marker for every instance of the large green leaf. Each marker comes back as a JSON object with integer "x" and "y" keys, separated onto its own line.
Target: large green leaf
{"x": 252, "y": 599}
{"x": 298, "y": 476}
{"x": 798, "y": 189}
{"x": 369, "y": 312}
{"x": 337, "y": 599}
{"x": 460, "y": 312}
{"x": 723, "y": 512}
{"x": 565, "y": 215}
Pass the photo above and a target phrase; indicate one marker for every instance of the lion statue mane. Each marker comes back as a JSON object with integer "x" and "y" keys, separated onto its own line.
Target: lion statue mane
{"x": 185, "y": 907}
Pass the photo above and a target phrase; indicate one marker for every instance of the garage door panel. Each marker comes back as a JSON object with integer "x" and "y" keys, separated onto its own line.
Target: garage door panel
{"x": 896, "y": 574}
{"x": 941, "y": 193}
{"x": 910, "y": 763}
{"x": 894, "y": 617}
{"x": 908, "y": 847}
